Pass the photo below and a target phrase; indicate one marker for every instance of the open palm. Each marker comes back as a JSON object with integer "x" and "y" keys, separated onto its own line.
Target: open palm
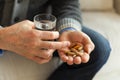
{"x": 73, "y": 37}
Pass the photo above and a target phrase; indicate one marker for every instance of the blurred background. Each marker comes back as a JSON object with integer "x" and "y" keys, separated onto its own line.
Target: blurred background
{"x": 104, "y": 17}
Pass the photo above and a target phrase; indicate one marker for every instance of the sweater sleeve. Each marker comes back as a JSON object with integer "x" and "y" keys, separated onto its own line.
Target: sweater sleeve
{"x": 68, "y": 14}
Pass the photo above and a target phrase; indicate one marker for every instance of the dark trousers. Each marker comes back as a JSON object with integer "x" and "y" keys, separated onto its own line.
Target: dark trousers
{"x": 88, "y": 70}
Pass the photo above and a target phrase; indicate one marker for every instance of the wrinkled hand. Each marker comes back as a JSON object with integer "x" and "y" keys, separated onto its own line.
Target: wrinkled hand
{"x": 24, "y": 40}
{"x": 73, "y": 37}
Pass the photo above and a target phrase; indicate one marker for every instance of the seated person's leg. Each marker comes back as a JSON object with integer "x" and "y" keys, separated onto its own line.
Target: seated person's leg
{"x": 85, "y": 71}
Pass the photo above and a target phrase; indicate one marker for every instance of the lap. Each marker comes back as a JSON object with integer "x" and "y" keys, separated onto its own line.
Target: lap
{"x": 15, "y": 67}
{"x": 88, "y": 70}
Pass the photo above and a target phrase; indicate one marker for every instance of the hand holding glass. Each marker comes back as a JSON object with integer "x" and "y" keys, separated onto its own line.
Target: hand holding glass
{"x": 45, "y": 22}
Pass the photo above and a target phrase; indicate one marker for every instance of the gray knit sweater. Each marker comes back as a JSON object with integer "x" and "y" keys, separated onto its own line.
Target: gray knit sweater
{"x": 66, "y": 11}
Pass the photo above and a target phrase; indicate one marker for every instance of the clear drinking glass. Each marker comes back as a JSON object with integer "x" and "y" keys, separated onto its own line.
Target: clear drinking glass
{"x": 45, "y": 22}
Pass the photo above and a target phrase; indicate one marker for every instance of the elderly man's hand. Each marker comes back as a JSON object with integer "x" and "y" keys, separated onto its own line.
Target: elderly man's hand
{"x": 23, "y": 39}
{"x": 76, "y": 37}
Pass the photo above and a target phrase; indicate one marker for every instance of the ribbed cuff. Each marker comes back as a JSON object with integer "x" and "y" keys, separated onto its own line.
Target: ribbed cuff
{"x": 1, "y": 51}
{"x": 68, "y": 23}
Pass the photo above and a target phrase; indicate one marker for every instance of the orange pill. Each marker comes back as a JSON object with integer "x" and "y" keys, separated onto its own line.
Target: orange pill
{"x": 70, "y": 53}
{"x": 76, "y": 47}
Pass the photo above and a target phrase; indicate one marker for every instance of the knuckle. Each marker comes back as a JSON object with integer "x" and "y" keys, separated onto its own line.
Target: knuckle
{"x": 27, "y": 21}
{"x": 60, "y": 46}
{"x": 33, "y": 44}
{"x": 33, "y": 35}
{"x": 50, "y": 45}
{"x": 40, "y": 34}
{"x": 47, "y": 55}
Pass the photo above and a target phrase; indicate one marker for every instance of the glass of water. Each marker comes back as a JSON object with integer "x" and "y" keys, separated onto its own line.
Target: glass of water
{"x": 45, "y": 22}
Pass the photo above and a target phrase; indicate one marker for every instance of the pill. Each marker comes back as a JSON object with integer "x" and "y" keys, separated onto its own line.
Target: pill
{"x": 76, "y": 47}
{"x": 70, "y": 53}
{"x": 78, "y": 53}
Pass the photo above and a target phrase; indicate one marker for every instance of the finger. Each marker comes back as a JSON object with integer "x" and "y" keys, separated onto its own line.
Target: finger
{"x": 63, "y": 56}
{"x": 29, "y": 23}
{"x": 37, "y": 59}
{"x": 70, "y": 60}
{"x": 54, "y": 45}
{"x": 77, "y": 60}
{"x": 48, "y": 35}
{"x": 89, "y": 48}
{"x": 85, "y": 58}
{"x": 40, "y": 60}
{"x": 29, "y": 56}
{"x": 45, "y": 53}
{"x": 88, "y": 44}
